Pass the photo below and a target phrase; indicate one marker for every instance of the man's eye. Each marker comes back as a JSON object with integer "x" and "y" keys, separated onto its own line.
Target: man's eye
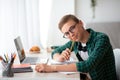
{"x": 72, "y": 27}
{"x": 67, "y": 33}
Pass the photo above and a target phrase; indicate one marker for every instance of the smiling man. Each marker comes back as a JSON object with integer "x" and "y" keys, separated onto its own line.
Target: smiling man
{"x": 93, "y": 50}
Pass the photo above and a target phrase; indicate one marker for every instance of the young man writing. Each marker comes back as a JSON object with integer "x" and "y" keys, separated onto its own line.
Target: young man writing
{"x": 93, "y": 50}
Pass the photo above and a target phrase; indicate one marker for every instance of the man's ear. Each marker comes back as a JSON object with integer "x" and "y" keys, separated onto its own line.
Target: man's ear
{"x": 80, "y": 22}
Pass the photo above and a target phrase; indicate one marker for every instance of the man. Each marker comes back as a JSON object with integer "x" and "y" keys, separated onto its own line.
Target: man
{"x": 93, "y": 50}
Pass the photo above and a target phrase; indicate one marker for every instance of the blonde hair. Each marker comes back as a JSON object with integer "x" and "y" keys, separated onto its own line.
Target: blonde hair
{"x": 66, "y": 18}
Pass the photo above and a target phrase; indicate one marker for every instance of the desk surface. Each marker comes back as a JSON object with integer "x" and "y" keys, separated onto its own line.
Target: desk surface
{"x": 42, "y": 76}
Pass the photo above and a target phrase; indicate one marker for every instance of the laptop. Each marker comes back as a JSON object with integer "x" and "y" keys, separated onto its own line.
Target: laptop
{"x": 22, "y": 54}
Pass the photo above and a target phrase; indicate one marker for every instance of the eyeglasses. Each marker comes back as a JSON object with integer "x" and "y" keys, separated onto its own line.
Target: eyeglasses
{"x": 71, "y": 30}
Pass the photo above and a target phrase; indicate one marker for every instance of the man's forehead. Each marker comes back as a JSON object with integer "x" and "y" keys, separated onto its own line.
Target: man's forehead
{"x": 67, "y": 25}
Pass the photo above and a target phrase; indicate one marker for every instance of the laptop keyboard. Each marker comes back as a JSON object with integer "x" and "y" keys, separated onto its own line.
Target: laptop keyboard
{"x": 31, "y": 60}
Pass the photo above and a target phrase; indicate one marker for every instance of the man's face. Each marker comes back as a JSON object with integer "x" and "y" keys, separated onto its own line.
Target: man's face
{"x": 72, "y": 30}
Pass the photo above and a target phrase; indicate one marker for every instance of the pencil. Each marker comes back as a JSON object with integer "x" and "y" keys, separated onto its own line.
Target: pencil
{"x": 72, "y": 46}
{"x": 1, "y": 58}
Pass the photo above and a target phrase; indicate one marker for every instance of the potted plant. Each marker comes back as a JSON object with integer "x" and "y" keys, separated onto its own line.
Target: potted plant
{"x": 93, "y": 5}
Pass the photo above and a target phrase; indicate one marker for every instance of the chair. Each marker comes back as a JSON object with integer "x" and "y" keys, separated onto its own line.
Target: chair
{"x": 117, "y": 62}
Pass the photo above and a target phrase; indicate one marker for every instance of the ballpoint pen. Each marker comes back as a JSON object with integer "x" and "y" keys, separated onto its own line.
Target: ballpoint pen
{"x": 1, "y": 58}
{"x": 3, "y": 62}
{"x": 47, "y": 61}
{"x": 6, "y": 58}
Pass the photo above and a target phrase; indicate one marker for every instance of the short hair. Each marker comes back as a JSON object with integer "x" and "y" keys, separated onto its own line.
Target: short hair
{"x": 66, "y": 18}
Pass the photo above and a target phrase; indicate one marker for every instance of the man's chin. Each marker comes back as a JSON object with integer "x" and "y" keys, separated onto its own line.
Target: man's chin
{"x": 76, "y": 40}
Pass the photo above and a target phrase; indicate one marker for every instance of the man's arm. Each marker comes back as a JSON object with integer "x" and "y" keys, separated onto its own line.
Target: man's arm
{"x": 66, "y": 67}
{"x": 55, "y": 68}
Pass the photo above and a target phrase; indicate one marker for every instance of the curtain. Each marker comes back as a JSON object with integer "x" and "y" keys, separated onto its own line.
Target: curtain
{"x": 35, "y": 21}
{"x": 20, "y": 18}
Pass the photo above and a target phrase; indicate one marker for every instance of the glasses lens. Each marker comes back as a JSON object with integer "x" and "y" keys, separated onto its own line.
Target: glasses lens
{"x": 66, "y": 35}
{"x": 71, "y": 29}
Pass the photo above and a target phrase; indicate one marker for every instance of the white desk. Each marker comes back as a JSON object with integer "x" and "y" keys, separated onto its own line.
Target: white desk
{"x": 42, "y": 76}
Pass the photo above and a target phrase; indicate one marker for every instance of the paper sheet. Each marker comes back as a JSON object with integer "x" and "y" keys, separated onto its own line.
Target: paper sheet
{"x": 65, "y": 62}
{"x": 68, "y": 73}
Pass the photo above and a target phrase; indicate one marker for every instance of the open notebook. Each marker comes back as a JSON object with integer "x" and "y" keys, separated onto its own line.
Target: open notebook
{"x": 65, "y": 62}
{"x": 53, "y": 62}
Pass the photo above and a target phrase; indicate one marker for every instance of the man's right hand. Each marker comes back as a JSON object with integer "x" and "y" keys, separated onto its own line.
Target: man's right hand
{"x": 65, "y": 55}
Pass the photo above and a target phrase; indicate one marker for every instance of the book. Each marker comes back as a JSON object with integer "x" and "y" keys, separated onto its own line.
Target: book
{"x": 19, "y": 68}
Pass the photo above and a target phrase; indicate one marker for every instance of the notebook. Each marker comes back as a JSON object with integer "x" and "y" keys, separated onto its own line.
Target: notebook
{"x": 22, "y": 54}
{"x": 19, "y": 68}
{"x": 65, "y": 62}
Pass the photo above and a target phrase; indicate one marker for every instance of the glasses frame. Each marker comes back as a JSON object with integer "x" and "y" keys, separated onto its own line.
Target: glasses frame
{"x": 71, "y": 30}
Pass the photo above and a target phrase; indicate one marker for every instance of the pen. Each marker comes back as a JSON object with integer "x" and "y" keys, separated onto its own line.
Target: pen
{"x": 12, "y": 59}
{"x": 1, "y": 58}
{"x": 47, "y": 61}
{"x": 11, "y": 62}
{"x": 72, "y": 46}
{"x": 6, "y": 58}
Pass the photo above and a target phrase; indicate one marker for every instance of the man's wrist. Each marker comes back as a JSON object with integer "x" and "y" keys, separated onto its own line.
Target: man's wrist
{"x": 53, "y": 68}
{"x": 57, "y": 57}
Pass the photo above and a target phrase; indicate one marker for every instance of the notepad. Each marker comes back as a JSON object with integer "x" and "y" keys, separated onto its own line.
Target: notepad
{"x": 19, "y": 68}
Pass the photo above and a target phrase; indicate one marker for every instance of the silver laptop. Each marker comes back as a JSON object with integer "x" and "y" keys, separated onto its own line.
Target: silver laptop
{"x": 22, "y": 54}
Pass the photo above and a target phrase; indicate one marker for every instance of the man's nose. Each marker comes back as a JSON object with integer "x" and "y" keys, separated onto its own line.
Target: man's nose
{"x": 71, "y": 34}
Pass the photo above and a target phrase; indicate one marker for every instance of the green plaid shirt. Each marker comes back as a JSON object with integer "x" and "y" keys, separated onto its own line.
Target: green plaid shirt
{"x": 100, "y": 63}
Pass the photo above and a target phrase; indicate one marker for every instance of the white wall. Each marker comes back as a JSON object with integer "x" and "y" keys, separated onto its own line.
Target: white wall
{"x": 106, "y": 10}
{"x": 59, "y": 9}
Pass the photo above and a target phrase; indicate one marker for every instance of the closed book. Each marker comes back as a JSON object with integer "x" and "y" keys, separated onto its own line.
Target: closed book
{"x": 19, "y": 68}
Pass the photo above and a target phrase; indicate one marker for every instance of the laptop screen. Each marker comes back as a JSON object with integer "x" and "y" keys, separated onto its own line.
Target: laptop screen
{"x": 20, "y": 49}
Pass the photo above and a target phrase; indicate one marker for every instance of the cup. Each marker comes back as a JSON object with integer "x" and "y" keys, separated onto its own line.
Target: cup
{"x": 7, "y": 70}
